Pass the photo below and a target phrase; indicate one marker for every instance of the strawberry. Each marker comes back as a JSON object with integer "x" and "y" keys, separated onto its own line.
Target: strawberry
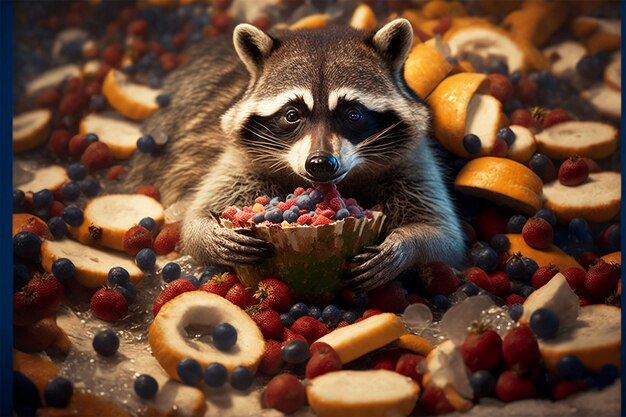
{"x": 555, "y": 116}
{"x": 274, "y": 293}
{"x": 323, "y": 359}
{"x": 500, "y": 87}
{"x": 511, "y": 387}
{"x": 370, "y": 312}
{"x": 342, "y": 323}
{"x": 601, "y": 279}
{"x": 543, "y": 275}
{"x": 38, "y": 299}
{"x": 499, "y": 284}
{"x": 434, "y": 401}
{"x": 526, "y": 90}
{"x": 524, "y": 117}
{"x": 108, "y": 304}
{"x": 478, "y": 277}
{"x": 584, "y": 301}
{"x": 564, "y": 389}
{"x": 289, "y": 335}
{"x": 220, "y": 283}
{"x": 575, "y": 277}
{"x": 407, "y": 366}
{"x": 167, "y": 239}
{"x": 37, "y": 226}
{"x": 115, "y": 173}
{"x": 76, "y": 145}
{"x": 135, "y": 239}
{"x": 150, "y": 191}
{"x": 174, "y": 288}
{"x": 386, "y": 359}
{"x": 514, "y": 299}
{"x": 573, "y": 171}
{"x": 96, "y": 156}
{"x": 59, "y": 142}
{"x": 520, "y": 347}
{"x": 271, "y": 361}
{"x": 268, "y": 320}
{"x": 592, "y": 165}
{"x": 312, "y": 329}
{"x": 438, "y": 278}
{"x": 240, "y": 296}
{"x": 537, "y": 233}
{"x": 587, "y": 258}
{"x": 389, "y": 297}
{"x": 482, "y": 348}
{"x": 319, "y": 220}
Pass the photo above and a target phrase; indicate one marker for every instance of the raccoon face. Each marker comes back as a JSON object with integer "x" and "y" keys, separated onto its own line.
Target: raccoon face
{"x": 325, "y": 103}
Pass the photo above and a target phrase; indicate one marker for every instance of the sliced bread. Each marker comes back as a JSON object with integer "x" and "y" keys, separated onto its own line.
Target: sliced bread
{"x": 120, "y": 135}
{"x": 30, "y": 129}
{"x": 594, "y": 140}
{"x": 132, "y": 100}
{"x": 524, "y": 145}
{"x": 51, "y": 177}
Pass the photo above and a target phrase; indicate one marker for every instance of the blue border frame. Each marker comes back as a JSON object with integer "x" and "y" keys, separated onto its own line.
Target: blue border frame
{"x": 622, "y": 224}
{"x": 6, "y": 208}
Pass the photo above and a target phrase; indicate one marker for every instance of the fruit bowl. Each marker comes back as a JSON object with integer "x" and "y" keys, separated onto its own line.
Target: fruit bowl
{"x": 310, "y": 259}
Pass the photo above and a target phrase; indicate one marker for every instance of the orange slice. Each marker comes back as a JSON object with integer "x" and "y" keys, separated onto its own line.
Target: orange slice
{"x": 543, "y": 257}
{"x": 20, "y": 220}
{"x": 425, "y": 67}
{"x": 613, "y": 257}
{"x": 130, "y": 99}
{"x": 363, "y": 18}
{"x": 120, "y": 135}
{"x": 502, "y": 181}
{"x": 314, "y": 21}
{"x": 30, "y": 129}
{"x": 536, "y": 21}
{"x": 414, "y": 343}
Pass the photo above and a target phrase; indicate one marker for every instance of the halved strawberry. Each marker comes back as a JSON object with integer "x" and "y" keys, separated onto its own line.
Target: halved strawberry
{"x": 174, "y": 288}
{"x": 39, "y": 298}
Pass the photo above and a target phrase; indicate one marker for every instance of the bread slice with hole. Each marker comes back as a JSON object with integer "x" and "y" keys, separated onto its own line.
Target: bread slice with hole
{"x": 564, "y": 56}
{"x": 108, "y": 217}
{"x": 51, "y": 177}
{"x": 92, "y": 264}
{"x": 120, "y": 135}
{"x": 372, "y": 393}
{"x": 594, "y": 140}
{"x": 30, "y": 129}
{"x": 130, "y": 99}
{"x": 598, "y": 199}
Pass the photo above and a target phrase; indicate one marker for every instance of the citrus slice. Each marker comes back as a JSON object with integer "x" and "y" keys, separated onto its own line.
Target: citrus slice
{"x": 119, "y": 135}
{"x": 536, "y": 21}
{"x": 363, "y": 18}
{"x": 51, "y": 177}
{"x": 594, "y": 140}
{"x": 355, "y": 340}
{"x": 169, "y": 343}
{"x": 30, "y": 129}
{"x": 598, "y": 199}
{"x": 414, "y": 343}
{"x": 22, "y": 220}
{"x": 92, "y": 264}
{"x": 613, "y": 257}
{"x": 108, "y": 217}
{"x": 372, "y": 393}
{"x": 557, "y": 296}
{"x": 524, "y": 145}
{"x": 502, "y": 181}
{"x": 543, "y": 257}
{"x": 425, "y": 67}
{"x": 314, "y": 21}
{"x": 132, "y": 100}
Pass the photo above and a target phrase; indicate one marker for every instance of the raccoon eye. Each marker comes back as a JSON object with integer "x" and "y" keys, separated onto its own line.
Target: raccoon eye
{"x": 292, "y": 116}
{"x": 353, "y": 115}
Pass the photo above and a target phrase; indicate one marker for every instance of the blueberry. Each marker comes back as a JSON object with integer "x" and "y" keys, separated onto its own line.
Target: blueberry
{"x": 515, "y": 268}
{"x": 21, "y": 276}
{"x": 73, "y": 216}
{"x": 145, "y": 259}
{"x": 539, "y": 164}
{"x": 106, "y": 343}
{"x": 316, "y": 196}
{"x": 90, "y": 187}
{"x": 146, "y": 144}
{"x": 331, "y": 315}
{"x": 507, "y": 135}
{"x": 441, "y": 302}
{"x": 592, "y": 381}
{"x": 97, "y": 102}
{"x": 515, "y": 311}
{"x": 315, "y": 312}
{"x": 287, "y": 319}
{"x": 485, "y": 257}
{"x": 590, "y": 67}
{"x": 530, "y": 266}
{"x": 548, "y": 215}
{"x": 215, "y": 375}
{"x": 154, "y": 82}
{"x": 513, "y": 104}
{"x": 608, "y": 374}
{"x": 290, "y": 217}
{"x": 146, "y": 386}
{"x": 163, "y": 100}
{"x": 498, "y": 66}
{"x": 544, "y": 322}
{"x": 500, "y": 243}
{"x": 91, "y": 137}
{"x": 483, "y": 383}
{"x": 295, "y": 351}
{"x": 195, "y": 281}
{"x": 58, "y": 392}
{"x": 298, "y": 310}
{"x": 241, "y": 378}
{"x": 63, "y": 269}
{"x": 342, "y": 214}
{"x": 517, "y": 287}
{"x": 26, "y": 245}
{"x": 57, "y": 227}
{"x": 526, "y": 291}
{"x": 305, "y": 202}
{"x": 516, "y": 223}
{"x": 76, "y": 171}
{"x": 570, "y": 367}
{"x": 224, "y": 336}
{"x": 469, "y": 288}
{"x": 274, "y": 201}
{"x": 471, "y": 143}
{"x": 42, "y": 199}
{"x": 170, "y": 272}
{"x": 129, "y": 69}
{"x": 349, "y": 316}
{"x": 26, "y": 398}
{"x": 614, "y": 236}
{"x": 189, "y": 371}
{"x": 148, "y": 223}
{"x": 129, "y": 291}
{"x": 274, "y": 216}
{"x": 18, "y": 200}
{"x": 118, "y": 276}
{"x": 258, "y": 218}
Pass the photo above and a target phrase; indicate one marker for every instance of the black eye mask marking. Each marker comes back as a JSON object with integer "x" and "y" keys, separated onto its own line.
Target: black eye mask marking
{"x": 356, "y": 122}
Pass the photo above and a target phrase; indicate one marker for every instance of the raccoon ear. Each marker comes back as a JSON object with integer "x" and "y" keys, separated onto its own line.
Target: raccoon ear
{"x": 252, "y": 45}
{"x": 393, "y": 41}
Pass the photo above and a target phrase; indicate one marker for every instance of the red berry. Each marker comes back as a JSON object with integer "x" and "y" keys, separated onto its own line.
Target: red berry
{"x": 77, "y": 145}
{"x": 407, "y": 366}
{"x": 39, "y": 298}
{"x": 371, "y": 312}
{"x": 168, "y": 61}
{"x": 319, "y": 220}
{"x": 59, "y": 142}
{"x": 389, "y": 297}
{"x": 482, "y": 348}
{"x": 511, "y": 387}
{"x": 271, "y": 361}
{"x": 499, "y": 284}
{"x": 593, "y": 165}
{"x": 135, "y": 239}
{"x": 115, "y": 173}
{"x": 137, "y": 27}
{"x": 537, "y": 233}
{"x": 167, "y": 239}
{"x": 438, "y": 278}
{"x": 289, "y": 335}
{"x": 284, "y": 393}
{"x": 323, "y": 359}
{"x": 312, "y": 329}
{"x": 48, "y": 98}
{"x": 108, "y": 305}
{"x": 174, "y": 288}
{"x": 543, "y": 275}
{"x": 524, "y": 117}
{"x": 520, "y": 347}
{"x": 386, "y": 359}
{"x": 96, "y": 156}
{"x": 526, "y": 90}
{"x": 112, "y": 54}
{"x": 150, "y": 191}
{"x": 263, "y": 23}
{"x": 601, "y": 279}
{"x": 490, "y": 221}
{"x": 274, "y": 293}
{"x": 434, "y": 401}
{"x": 564, "y": 389}
{"x": 514, "y": 299}
{"x": 243, "y": 298}
{"x": 500, "y": 87}
{"x": 573, "y": 171}
{"x": 220, "y": 283}
{"x": 586, "y": 259}
{"x": 575, "y": 278}
{"x": 71, "y": 104}
{"x": 267, "y": 319}
{"x": 555, "y": 116}
{"x": 478, "y": 277}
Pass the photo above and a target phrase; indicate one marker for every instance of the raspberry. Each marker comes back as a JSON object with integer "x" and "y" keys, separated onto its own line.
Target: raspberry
{"x": 573, "y": 171}
{"x": 538, "y": 233}
{"x": 336, "y": 204}
{"x": 514, "y": 299}
{"x": 304, "y": 219}
{"x": 320, "y": 220}
{"x": 543, "y": 275}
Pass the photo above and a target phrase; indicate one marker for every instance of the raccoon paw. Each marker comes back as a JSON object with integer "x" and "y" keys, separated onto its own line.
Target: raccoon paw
{"x": 231, "y": 248}
{"x": 376, "y": 265}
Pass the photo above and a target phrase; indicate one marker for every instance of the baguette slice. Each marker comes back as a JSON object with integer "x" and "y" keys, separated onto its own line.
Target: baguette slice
{"x": 355, "y": 340}
{"x": 524, "y": 145}
{"x": 120, "y": 135}
{"x": 606, "y": 100}
{"x": 30, "y": 129}
{"x": 371, "y": 393}
{"x": 613, "y": 72}
{"x": 594, "y": 140}
{"x": 52, "y": 78}
{"x": 51, "y": 177}
{"x": 564, "y": 56}
{"x": 92, "y": 264}
{"x": 108, "y": 217}
{"x": 169, "y": 343}
{"x": 597, "y": 200}
{"x": 132, "y": 100}
{"x": 543, "y": 257}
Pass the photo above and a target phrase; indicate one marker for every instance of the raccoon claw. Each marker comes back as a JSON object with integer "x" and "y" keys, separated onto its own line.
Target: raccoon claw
{"x": 231, "y": 248}
{"x": 368, "y": 253}
{"x": 378, "y": 265}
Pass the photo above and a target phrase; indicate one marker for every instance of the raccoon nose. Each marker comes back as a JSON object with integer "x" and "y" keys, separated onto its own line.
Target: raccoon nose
{"x": 322, "y": 166}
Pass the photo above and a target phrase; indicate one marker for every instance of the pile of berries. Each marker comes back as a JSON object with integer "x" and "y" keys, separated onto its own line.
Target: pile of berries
{"x": 311, "y": 207}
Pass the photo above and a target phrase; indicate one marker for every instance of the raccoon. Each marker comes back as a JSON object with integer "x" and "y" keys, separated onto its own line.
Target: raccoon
{"x": 285, "y": 109}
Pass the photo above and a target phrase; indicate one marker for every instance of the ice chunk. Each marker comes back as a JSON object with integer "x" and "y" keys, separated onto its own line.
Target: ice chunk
{"x": 457, "y": 320}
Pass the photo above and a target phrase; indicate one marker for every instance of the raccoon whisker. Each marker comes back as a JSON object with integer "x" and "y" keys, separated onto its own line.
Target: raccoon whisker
{"x": 377, "y": 136}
